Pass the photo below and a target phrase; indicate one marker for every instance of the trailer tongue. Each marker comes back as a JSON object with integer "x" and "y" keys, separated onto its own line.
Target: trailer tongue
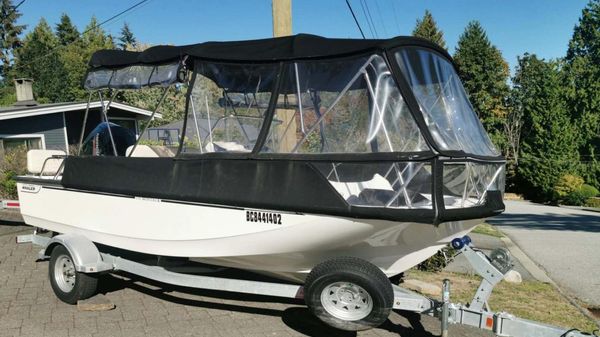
{"x": 88, "y": 259}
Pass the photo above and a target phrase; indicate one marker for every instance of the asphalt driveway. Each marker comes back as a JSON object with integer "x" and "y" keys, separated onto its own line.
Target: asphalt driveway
{"x": 564, "y": 242}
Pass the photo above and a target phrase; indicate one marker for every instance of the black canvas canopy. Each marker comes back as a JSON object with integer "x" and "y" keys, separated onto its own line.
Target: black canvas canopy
{"x": 161, "y": 65}
{"x": 406, "y": 145}
{"x": 301, "y": 46}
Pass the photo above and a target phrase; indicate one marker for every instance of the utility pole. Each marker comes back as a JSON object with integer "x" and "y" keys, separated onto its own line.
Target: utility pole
{"x": 282, "y": 26}
{"x": 282, "y": 17}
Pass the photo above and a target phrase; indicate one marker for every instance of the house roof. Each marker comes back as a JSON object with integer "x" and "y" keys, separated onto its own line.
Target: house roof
{"x": 44, "y": 109}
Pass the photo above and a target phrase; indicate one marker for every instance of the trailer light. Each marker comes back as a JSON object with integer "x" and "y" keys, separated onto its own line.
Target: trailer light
{"x": 489, "y": 322}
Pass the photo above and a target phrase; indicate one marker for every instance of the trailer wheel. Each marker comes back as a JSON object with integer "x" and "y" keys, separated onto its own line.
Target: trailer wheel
{"x": 349, "y": 294}
{"x": 68, "y": 284}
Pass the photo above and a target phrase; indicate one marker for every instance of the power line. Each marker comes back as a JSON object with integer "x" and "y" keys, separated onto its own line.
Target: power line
{"x": 362, "y": 5}
{"x": 14, "y": 9}
{"x": 52, "y": 51}
{"x": 381, "y": 17}
{"x": 396, "y": 16}
{"x": 355, "y": 19}
{"x": 117, "y": 15}
{"x": 17, "y": 6}
{"x": 371, "y": 18}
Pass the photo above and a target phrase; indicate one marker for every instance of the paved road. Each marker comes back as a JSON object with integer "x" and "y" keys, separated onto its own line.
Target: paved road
{"x": 564, "y": 242}
{"x": 28, "y": 307}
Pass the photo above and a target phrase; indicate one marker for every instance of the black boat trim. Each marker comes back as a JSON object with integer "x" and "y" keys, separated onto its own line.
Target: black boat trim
{"x": 282, "y": 185}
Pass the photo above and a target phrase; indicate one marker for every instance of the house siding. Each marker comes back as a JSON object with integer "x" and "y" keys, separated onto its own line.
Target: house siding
{"x": 51, "y": 126}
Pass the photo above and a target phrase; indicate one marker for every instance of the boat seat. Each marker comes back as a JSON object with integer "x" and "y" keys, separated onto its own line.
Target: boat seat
{"x": 52, "y": 158}
{"x": 220, "y": 146}
{"x": 350, "y": 189}
{"x": 381, "y": 198}
{"x": 150, "y": 151}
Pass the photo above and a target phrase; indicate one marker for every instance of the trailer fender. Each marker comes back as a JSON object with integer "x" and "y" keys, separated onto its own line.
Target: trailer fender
{"x": 85, "y": 254}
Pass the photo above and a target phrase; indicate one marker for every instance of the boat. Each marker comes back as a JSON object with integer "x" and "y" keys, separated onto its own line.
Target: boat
{"x": 293, "y": 151}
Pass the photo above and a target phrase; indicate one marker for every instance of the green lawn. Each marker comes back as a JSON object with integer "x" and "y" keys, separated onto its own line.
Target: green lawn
{"x": 487, "y": 229}
{"x": 531, "y": 299}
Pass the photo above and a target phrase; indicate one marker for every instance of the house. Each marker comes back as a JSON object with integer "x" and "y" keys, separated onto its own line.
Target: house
{"x": 58, "y": 125}
{"x": 170, "y": 134}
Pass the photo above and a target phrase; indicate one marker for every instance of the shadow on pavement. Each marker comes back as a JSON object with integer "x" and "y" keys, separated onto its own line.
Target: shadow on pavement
{"x": 11, "y": 223}
{"x": 416, "y": 327}
{"x": 550, "y": 221}
{"x": 302, "y": 320}
{"x": 298, "y": 318}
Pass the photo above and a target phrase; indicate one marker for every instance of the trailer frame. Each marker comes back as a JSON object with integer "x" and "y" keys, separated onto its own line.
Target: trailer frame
{"x": 89, "y": 259}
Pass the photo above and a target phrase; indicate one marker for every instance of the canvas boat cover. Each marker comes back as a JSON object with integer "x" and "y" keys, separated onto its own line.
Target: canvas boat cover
{"x": 161, "y": 65}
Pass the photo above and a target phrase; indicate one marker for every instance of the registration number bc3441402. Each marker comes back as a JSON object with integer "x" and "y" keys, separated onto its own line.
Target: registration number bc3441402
{"x": 263, "y": 217}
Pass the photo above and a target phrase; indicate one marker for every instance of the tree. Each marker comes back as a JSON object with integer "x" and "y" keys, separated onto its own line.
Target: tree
{"x": 76, "y": 56}
{"x": 66, "y": 32}
{"x": 549, "y": 138}
{"x": 94, "y": 37}
{"x": 173, "y": 106}
{"x": 582, "y": 83}
{"x": 427, "y": 28}
{"x": 9, "y": 35}
{"x": 37, "y": 59}
{"x": 127, "y": 40}
{"x": 484, "y": 74}
{"x": 513, "y": 125}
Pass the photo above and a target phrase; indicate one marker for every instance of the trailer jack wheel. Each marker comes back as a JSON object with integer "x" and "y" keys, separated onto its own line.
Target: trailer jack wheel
{"x": 349, "y": 294}
{"x": 68, "y": 284}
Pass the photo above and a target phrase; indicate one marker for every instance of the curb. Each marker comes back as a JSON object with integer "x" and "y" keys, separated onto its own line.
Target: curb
{"x": 580, "y": 208}
{"x": 541, "y": 276}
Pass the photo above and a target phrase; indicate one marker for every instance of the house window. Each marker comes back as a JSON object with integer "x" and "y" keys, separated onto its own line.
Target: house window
{"x": 30, "y": 142}
{"x": 128, "y": 123}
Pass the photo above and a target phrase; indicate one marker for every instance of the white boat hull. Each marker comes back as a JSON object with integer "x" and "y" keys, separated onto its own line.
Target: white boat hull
{"x": 231, "y": 236}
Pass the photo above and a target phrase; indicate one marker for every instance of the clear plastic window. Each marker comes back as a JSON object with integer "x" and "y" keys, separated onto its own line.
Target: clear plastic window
{"x": 98, "y": 78}
{"x": 132, "y": 77}
{"x": 342, "y": 106}
{"x": 466, "y": 184}
{"x": 387, "y": 184}
{"x": 164, "y": 74}
{"x": 444, "y": 102}
{"x": 227, "y": 106}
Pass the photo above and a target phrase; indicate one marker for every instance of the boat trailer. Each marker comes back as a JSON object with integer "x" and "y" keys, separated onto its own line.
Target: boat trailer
{"x": 87, "y": 258}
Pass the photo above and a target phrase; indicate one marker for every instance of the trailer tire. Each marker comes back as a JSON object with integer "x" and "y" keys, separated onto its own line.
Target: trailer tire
{"x": 68, "y": 284}
{"x": 349, "y": 294}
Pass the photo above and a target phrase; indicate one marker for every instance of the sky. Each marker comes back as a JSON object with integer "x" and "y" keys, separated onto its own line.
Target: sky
{"x": 541, "y": 27}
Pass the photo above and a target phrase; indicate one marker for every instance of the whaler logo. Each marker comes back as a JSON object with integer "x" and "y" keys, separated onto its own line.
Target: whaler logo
{"x": 30, "y": 188}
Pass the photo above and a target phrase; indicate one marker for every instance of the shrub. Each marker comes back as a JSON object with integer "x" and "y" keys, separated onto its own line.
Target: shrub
{"x": 589, "y": 190}
{"x": 593, "y": 202}
{"x": 13, "y": 163}
{"x": 439, "y": 261}
{"x": 580, "y": 196}
{"x": 566, "y": 185}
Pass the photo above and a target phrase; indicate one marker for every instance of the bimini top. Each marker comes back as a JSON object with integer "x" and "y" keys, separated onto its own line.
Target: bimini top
{"x": 296, "y": 47}
{"x": 164, "y": 65}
